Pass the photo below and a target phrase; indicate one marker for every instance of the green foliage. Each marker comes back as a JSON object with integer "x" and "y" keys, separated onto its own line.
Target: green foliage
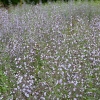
{"x": 5, "y": 82}
{"x": 32, "y": 1}
{"x": 6, "y": 77}
{"x": 8, "y": 2}
{"x": 15, "y": 2}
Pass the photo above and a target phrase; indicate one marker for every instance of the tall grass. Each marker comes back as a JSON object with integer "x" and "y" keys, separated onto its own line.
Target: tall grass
{"x": 50, "y": 52}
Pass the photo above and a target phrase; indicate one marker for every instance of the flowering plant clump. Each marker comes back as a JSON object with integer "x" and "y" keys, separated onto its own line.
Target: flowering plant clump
{"x": 50, "y": 52}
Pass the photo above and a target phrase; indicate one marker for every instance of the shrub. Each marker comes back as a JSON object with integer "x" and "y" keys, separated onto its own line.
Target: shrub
{"x": 8, "y": 2}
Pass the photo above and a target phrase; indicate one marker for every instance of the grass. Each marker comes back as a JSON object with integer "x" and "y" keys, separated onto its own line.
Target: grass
{"x": 50, "y": 52}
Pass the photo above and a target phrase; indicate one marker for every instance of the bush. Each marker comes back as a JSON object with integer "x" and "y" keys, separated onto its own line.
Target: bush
{"x": 32, "y": 1}
{"x": 15, "y": 2}
{"x": 8, "y": 2}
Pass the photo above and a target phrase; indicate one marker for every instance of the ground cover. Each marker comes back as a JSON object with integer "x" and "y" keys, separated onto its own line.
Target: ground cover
{"x": 50, "y": 52}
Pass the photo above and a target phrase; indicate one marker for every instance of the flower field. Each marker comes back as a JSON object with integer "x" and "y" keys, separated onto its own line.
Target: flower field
{"x": 50, "y": 52}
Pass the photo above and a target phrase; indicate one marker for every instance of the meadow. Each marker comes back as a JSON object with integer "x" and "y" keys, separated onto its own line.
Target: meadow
{"x": 50, "y": 51}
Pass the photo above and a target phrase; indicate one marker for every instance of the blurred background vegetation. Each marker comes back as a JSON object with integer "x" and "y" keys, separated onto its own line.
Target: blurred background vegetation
{"x": 5, "y": 3}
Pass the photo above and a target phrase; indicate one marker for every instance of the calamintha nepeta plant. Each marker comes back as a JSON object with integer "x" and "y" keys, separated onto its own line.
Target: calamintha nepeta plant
{"x": 50, "y": 52}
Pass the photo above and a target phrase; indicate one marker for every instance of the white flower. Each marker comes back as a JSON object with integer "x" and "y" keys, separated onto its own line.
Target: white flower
{"x": 26, "y": 94}
{"x": 75, "y": 98}
{"x": 19, "y": 80}
{"x": 69, "y": 65}
{"x": 44, "y": 93}
{"x": 19, "y": 59}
